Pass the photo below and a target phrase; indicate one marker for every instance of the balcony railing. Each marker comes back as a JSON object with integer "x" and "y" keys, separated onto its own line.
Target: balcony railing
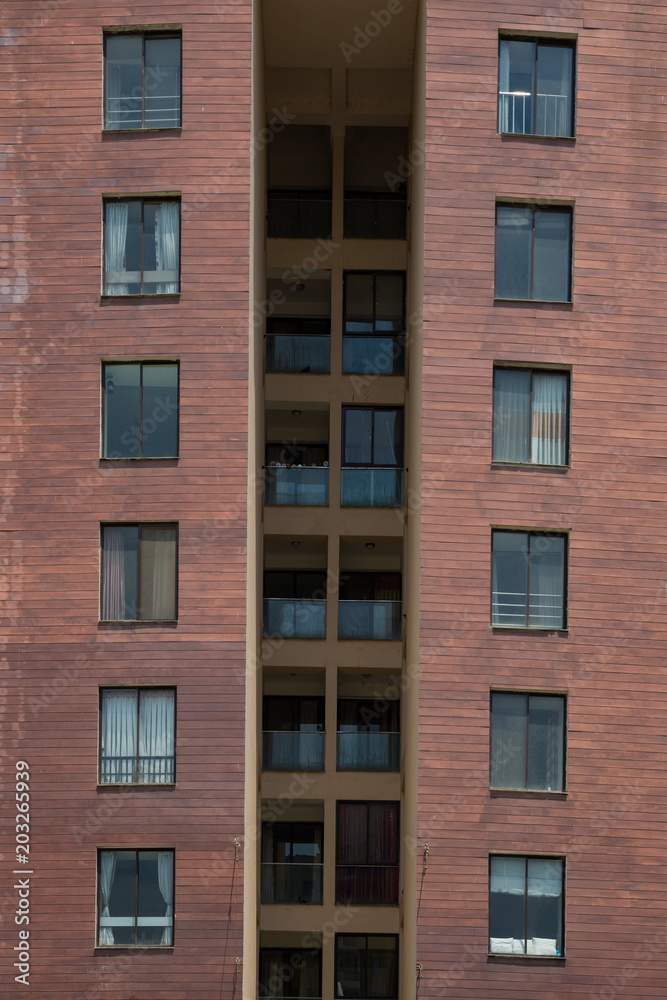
{"x": 369, "y": 751}
{"x": 369, "y": 619}
{"x": 283, "y": 751}
{"x": 515, "y": 110}
{"x": 371, "y": 487}
{"x": 298, "y": 214}
{"x": 374, "y": 215}
{"x": 161, "y": 112}
{"x": 298, "y": 353}
{"x": 373, "y": 354}
{"x": 127, "y": 770}
{"x": 294, "y": 619}
{"x": 291, "y": 883}
{"x": 296, "y": 487}
{"x": 544, "y": 610}
{"x": 367, "y": 885}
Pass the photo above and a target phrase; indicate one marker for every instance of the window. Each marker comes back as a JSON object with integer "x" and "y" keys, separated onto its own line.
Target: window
{"x": 369, "y": 735}
{"x": 141, "y": 247}
{"x": 137, "y": 736}
{"x": 534, "y": 253}
{"x": 139, "y": 572}
{"x": 286, "y": 973}
{"x": 142, "y": 81}
{"x": 292, "y": 862}
{"x": 528, "y": 570}
{"x": 293, "y": 735}
{"x": 375, "y": 201}
{"x": 372, "y": 474}
{"x": 295, "y": 603}
{"x": 530, "y": 416}
{"x": 374, "y": 332}
{"x": 367, "y": 853}
{"x": 299, "y": 182}
{"x": 367, "y": 966}
{"x": 140, "y": 409}
{"x": 536, "y": 92}
{"x": 526, "y": 906}
{"x": 527, "y": 741}
{"x": 136, "y": 899}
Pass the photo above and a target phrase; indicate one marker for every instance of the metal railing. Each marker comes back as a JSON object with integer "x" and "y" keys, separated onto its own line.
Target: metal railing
{"x": 294, "y": 619}
{"x": 515, "y": 113}
{"x": 303, "y": 486}
{"x": 540, "y": 611}
{"x": 371, "y": 487}
{"x": 286, "y": 882}
{"x": 126, "y": 112}
{"x": 368, "y": 751}
{"x": 283, "y": 751}
{"x": 369, "y": 619}
{"x": 133, "y": 770}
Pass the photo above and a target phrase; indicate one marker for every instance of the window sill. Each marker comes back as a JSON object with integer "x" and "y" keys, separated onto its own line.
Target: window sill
{"x": 531, "y": 793}
{"x": 130, "y": 948}
{"x": 524, "y": 958}
{"x": 141, "y": 131}
{"x": 138, "y": 621}
{"x": 170, "y": 296}
{"x": 139, "y": 458}
{"x": 529, "y": 628}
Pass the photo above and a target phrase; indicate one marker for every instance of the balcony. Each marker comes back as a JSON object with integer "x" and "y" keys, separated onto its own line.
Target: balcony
{"x": 298, "y": 346}
{"x": 292, "y": 883}
{"x": 294, "y": 619}
{"x": 374, "y": 215}
{"x": 129, "y": 770}
{"x": 296, "y": 487}
{"x": 363, "y": 751}
{"x": 371, "y": 487}
{"x": 369, "y": 620}
{"x": 367, "y": 885}
{"x": 299, "y": 214}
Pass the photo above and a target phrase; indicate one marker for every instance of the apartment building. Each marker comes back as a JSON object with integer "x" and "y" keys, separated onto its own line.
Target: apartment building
{"x": 332, "y": 408}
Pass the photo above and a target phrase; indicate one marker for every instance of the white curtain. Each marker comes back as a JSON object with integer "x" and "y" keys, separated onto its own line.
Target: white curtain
{"x": 119, "y": 736}
{"x": 156, "y": 736}
{"x": 115, "y": 243}
{"x": 504, "y": 86}
{"x": 165, "y": 878}
{"x": 546, "y": 583}
{"x": 549, "y": 421}
{"x": 167, "y": 219}
{"x": 511, "y": 415}
{"x": 113, "y": 583}
{"x": 107, "y": 873}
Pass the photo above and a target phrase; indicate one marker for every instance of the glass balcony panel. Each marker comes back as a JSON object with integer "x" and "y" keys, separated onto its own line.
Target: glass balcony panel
{"x": 299, "y": 215}
{"x": 298, "y": 353}
{"x": 299, "y": 487}
{"x": 373, "y": 355}
{"x": 293, "y": 751}
{"x": 294, "y": 619}
{"x": 369, "y": 619}
{"x": 369, "y": 752}
{"x": 291, "y": 883}
{"x": 367, "y": 885}
{"x": 372, "y": 487}
{"x": 374, "y": 216}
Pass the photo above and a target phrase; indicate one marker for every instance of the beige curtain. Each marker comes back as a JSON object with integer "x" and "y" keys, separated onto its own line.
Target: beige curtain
{"x": 158, "y": 574}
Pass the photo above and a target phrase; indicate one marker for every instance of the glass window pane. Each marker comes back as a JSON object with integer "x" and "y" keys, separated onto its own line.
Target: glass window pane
{"x": 389, "y": 301}
{"x": 120, "y": 566}
{"x": 547, "y": 579}
{"x": 359, "y": 303}
{"x": 551, "y": 262}
{"x": 546, "y": 743}
{"x": 549, "y": 419}
{"x": 162, "y": 83}
{"x": 358, "y": 436}
{"x": 160, "y": 411}
{"x": 155, "y": 867}
{"x": 554, "y": 90}
{"x": 350, "y": 966}
{"x": 122, "y": 896}
{"x": 388, "y": 438}
{"x": 158, "y": 573}
{"x": 510, "y": 578}
{"x": 509, "y": 724}
{"x": 511, "y": 416}
{"x": 517, "y": 86}
{"x": 133, "y": 248}
{"x": 507, "y": 904}
{"x": 381, "y": 967}
{"x": 123, "y": 81}
{"x": 514, "y": 224}
{"x": 150, "y": 250}
{"x": 121, "y": 411}
{"x": 310, "y": 585}
{"x": 544, "y": 905}
{"x": 118, "y": 736}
